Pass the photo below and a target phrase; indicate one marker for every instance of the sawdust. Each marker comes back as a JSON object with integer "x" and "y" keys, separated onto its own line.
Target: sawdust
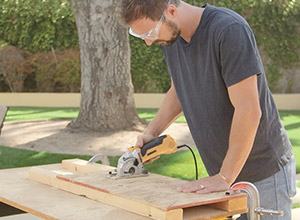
{"x": 51, "y": 136}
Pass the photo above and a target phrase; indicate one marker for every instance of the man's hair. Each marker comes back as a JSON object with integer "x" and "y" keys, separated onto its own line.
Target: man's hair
{"x": 132, "y": 10}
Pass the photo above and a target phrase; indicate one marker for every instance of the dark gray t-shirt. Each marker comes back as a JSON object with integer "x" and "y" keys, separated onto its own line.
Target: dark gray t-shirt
{"x": 223, "y": 52}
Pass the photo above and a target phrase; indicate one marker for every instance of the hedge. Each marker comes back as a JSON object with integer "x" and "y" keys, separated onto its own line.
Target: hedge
{"x": 39, "y": 26}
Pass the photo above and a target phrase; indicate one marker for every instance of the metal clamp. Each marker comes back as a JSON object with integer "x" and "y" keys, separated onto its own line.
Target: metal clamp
{"x": 263, "y": 211}
{"x": 255, "y": 211}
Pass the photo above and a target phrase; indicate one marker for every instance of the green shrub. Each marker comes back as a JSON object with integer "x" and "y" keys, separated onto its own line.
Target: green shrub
{"x": 68, "y": 78}
{"x": 43, "y": 66}
{"x": 276, "y": 25}
{"x": 36, "y": 25}
{"x": 11, "y": 67}
{"x": 148, "y": 68}
{"x": 54, "y": 72}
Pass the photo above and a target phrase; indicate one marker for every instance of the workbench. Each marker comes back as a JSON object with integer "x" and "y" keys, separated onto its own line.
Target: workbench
{"x": 52, "y": 203}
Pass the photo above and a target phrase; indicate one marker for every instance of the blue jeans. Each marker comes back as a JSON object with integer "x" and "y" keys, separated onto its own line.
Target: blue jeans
{"x": 275, "y": 192}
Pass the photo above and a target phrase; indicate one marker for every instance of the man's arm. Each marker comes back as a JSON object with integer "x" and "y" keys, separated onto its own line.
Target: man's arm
{"x": 169, "y": 110}
{"x": 245, "y": 100}
{"x": 246, "y": 118}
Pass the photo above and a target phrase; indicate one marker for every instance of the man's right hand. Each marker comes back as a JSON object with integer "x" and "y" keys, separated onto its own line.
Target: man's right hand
{"x": 143, "y": 139}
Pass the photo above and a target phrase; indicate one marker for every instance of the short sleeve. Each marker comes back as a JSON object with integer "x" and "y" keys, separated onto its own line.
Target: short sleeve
{"x": 239, "y": 56}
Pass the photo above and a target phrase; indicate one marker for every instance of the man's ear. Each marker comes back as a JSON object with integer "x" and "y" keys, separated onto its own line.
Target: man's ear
{"x": 171, "y": 11}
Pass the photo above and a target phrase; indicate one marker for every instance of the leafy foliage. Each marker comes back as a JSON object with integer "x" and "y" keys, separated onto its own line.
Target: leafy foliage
{"x": 11, "y": 67}
{"x": 36, "y": 25}
{"x": 275, "y": 23}
{"x": 148, "y": 67}
{"x": 55, "y": 72}
{"x": 39, "y": 25}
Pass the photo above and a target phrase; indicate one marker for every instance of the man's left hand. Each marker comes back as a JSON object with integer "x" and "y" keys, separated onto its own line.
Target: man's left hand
{"x": 205, "y": 185}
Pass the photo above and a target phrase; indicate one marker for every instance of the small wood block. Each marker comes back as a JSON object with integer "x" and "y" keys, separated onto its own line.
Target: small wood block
{"x": 232, "y": 204}
{"x": 81, "y": 166}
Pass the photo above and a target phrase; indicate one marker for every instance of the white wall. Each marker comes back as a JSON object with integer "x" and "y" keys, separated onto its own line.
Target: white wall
{"x": 142, "y": 100}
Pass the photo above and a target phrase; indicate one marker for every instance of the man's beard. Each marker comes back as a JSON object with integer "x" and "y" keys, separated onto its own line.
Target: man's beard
{"x": 175, "y": 34}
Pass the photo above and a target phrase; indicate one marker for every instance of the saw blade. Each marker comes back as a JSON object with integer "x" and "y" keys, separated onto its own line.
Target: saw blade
{"x": 129, "y": 165}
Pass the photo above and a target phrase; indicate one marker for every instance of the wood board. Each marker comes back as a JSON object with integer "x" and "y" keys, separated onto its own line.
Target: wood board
{"x": 52, "y": 203}
{"x": 153, "y": 196}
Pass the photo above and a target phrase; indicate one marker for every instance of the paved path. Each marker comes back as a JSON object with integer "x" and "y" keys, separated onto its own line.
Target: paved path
{"x": 52, "y": 136}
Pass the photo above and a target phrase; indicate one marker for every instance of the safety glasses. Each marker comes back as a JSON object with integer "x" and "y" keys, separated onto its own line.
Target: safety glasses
{"x": 153, "y": 34}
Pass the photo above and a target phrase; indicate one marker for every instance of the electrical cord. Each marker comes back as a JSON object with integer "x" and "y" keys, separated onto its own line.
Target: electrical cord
{"x": 196, "y": 166}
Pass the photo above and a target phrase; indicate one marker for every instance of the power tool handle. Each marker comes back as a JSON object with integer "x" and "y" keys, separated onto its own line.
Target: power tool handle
{"x": 155, "y": 142}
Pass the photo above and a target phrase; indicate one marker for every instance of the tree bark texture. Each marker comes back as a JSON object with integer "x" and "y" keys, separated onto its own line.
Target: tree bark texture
{"x": 107, "y": 102}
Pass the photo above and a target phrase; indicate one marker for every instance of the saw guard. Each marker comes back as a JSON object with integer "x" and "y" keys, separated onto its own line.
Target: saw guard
{"x": 129, "y": 165}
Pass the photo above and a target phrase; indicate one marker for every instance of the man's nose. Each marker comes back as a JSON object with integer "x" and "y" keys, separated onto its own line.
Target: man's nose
{"x": 148, "y": 42}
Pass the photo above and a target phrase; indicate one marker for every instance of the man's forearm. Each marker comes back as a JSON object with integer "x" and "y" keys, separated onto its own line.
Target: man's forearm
{"x": 169, "y": 110}
{"x": 243, "y": 130}
{"x": 245, "y": 121}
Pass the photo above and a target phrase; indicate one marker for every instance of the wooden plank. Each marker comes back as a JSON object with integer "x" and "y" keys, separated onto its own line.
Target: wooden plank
{"x": 51, "y": 203}
{"x": 165, "y": 196}
{"x": 154, "y": 196}
{"x": 47, "y": 175}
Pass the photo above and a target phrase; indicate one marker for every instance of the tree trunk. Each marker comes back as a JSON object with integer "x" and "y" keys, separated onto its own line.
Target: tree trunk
{"x": 107, "y": 102}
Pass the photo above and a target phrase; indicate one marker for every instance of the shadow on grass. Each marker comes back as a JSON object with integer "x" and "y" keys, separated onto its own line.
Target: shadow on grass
{"x": 14, "y": 157}
{"x": 292, "y": 126}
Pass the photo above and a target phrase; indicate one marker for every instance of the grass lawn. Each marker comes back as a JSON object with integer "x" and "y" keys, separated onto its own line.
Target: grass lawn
{"x": 291, "y": 122}
{"x": 180, "y": 164}
{"x": 30, "y": 113}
